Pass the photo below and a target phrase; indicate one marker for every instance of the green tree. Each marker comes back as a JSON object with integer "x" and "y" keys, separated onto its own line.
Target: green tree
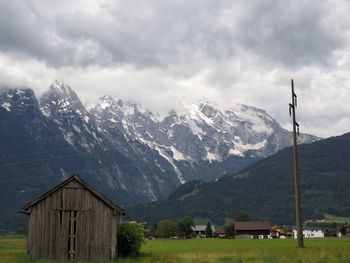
{"x": 185, "y": 227}
{"x": 208, "y": 230}
{"x": 130, "y": 237}
{"x": 153, "y": 230}
{"x": 342, "y": 229}
{"x": 230, "y": 230}
{"x": 242, "y": 217}
{"x": 166, "y": 228}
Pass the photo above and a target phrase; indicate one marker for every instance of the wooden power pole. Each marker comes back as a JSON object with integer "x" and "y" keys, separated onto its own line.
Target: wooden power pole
{"x": 292, "y": 108}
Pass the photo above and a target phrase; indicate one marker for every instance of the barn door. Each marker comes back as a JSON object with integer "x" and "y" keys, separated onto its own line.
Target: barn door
{"x": 72, "y": 234}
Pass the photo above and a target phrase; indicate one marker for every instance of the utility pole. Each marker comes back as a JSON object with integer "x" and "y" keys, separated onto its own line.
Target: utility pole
{"x": 292, "y": 108}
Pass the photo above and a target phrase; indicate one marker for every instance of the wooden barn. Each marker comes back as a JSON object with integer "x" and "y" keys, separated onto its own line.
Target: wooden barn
{"x": 73, "y": 221}
{"x": 253, "y": 228}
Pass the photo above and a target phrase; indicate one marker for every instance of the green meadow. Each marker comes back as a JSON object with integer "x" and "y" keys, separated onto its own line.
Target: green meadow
{"x": 12, "y": 250}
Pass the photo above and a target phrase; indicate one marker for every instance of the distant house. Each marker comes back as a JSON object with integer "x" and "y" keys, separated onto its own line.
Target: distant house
{"x": 220, "y": 233}
{"x": 309, "y": 233}
{"x": 199, "y": 230}
{"x": 338, "y": 231}
{"x": 281, "y": 232}
{"x": 73, "y": 221}
{"x": 252, "y": 229}
{"x": 341, "y": 230}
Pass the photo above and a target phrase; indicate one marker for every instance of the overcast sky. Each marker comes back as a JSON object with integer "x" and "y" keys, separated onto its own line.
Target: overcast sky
{"x": 162, "y": 52}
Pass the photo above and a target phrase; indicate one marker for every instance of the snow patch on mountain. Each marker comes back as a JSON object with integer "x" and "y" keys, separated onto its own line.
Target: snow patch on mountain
{"x": 177, "y": 155}
{"x": 171, "y": 161}
{"x": 76, "y": 128}
{"x": 241, "y": 148}
{"x": 68, "y": 136}
{"x": 194, "y": 127}
{"x": 212, "y": 157}
{"x": 6, "y": 106}
{"x": 236, "y": 152}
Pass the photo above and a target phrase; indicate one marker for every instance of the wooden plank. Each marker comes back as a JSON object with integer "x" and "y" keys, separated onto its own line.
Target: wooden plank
{"x": 80, "y": 249}
{"x": 96, "y": 228}
{"x": 88, "y": 230}
{"x": 74, "y": 184}
{"x": 113, "y": 236}
{"x": 47, "y": 227}
{"x": 39, "y": 229}
{"x": 30, "y": 234}
{"x": 58, "y": 230}
{"x": 65, "y": 234}
{"x": 44, "y": 227}
{"x": 33, "y": 232}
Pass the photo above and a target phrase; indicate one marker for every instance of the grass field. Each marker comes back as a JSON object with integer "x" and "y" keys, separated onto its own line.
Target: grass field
{"x": 12, "y": 250}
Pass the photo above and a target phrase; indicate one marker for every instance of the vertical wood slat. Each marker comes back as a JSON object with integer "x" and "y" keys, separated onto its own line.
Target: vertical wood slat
{"x": 39, "y": 223}
{"x": 112, "y": 245}
{"x": 45, "y": 226}
{"x": 96, "y": 229}
{"x": 92, "y": 230}
{"x": 90, "y": 225}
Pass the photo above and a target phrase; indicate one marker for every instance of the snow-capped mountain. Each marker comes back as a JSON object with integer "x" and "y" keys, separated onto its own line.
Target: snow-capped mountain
{"x": 129, "y": 166}
{"x": 63, "y": 106}
{"x": 124, "y": 150}
{"x": 43, "y": 142}
{"x": 197, "y": 132}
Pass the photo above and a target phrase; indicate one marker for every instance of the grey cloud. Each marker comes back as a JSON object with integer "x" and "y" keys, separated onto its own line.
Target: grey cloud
{"x": 158, "y": 52}
{"x": 291, "y": 33}
{"x": 141, "y": 33}
{"x": 24, "y": 32}
{"x": 154, "y": 33}
{"x": 166, "y": 33}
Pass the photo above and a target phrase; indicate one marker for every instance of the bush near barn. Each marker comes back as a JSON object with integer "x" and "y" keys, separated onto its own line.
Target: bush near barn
{"x": 130, "y": 238}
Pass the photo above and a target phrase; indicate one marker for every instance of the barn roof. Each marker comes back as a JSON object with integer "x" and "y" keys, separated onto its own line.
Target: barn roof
{"x": 252, "y": 225}
{"x": 100, "y": 196}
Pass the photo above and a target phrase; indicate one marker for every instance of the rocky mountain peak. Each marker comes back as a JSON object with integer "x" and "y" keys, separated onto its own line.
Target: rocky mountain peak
{"x": 19, "y": 101}
{"x": 208, "y": 109}
{"x": 61, "y": 88}
{"x": 63, "y": 106}
{"x": 61, "y": 99}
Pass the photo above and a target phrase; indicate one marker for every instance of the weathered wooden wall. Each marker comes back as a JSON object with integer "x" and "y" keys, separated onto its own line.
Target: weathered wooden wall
{"x": 96, "y": 225}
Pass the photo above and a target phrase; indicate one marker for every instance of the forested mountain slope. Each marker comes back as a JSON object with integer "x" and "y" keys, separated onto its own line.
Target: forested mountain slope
{"x": 265, "y": 190}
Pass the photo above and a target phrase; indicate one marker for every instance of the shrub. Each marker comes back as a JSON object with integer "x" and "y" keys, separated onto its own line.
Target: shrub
{"x": 166, "y": 228}
{"x": 185, "y": 227}
{"x": 229, "y": 230}
{"x": 130, "y": 238}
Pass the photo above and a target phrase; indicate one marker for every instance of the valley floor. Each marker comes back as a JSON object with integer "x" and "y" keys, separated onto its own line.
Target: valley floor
{"x": 12, "y": 250}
